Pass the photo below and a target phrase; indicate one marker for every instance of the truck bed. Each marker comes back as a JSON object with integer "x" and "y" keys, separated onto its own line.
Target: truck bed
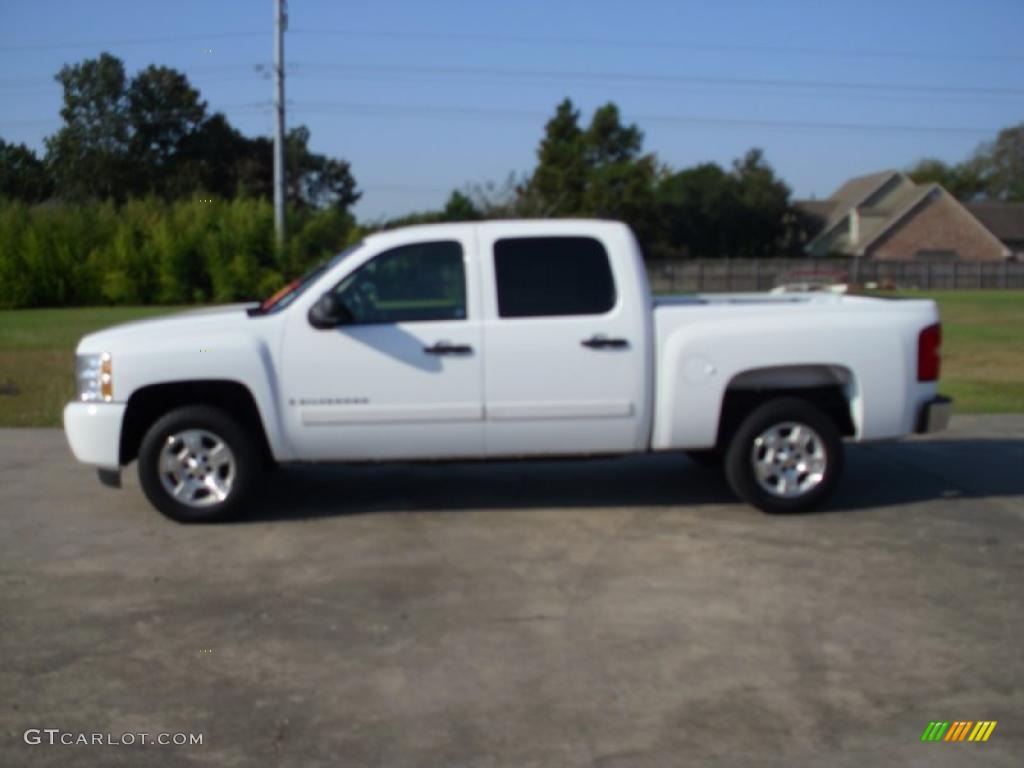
{"x": 707, "y": 344}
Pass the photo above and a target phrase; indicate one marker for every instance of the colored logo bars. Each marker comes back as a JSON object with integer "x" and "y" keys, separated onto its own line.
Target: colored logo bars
{"x": 959, "y": 730}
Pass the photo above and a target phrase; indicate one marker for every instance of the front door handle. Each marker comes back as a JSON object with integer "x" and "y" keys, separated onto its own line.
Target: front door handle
{"x": 447, "y": 348}
{"x": 600, "y": 341}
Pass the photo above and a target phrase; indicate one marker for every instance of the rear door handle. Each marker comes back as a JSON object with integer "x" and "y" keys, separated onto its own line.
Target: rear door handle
{"x": 600, "y": 341}
{"x": 447, "y": 348}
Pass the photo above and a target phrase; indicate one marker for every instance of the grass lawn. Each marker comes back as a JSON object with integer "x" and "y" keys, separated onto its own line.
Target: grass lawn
{"x": 983, "y": 354}
{"x": 982, "y": 349}
{"x": 37, "y": 358}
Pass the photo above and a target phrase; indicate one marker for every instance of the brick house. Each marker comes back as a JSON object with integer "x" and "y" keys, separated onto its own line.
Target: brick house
{"x": 886, "y": 216}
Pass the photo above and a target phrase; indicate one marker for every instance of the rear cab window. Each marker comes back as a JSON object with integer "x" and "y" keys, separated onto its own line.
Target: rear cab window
{"x": 552, "y": 276}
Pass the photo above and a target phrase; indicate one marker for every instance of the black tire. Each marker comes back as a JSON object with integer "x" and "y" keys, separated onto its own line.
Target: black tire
{"x": 240, "y": 478}
{"x": 740, "y": 465}
{"x": 710, "y": 458}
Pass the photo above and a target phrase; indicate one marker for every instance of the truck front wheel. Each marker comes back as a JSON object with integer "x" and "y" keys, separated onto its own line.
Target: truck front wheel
{"x": 786, "y": 456}
{"x": 197, "y": 464}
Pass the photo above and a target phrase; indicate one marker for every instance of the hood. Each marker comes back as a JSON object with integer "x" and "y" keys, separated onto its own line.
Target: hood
{"x": 195, "y": 322}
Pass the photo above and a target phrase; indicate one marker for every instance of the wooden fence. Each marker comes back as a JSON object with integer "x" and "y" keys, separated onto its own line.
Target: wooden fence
{"x": 718, "y": 275}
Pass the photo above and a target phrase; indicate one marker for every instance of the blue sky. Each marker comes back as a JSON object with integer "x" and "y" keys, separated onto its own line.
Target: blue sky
{"x": 422, "y": 97}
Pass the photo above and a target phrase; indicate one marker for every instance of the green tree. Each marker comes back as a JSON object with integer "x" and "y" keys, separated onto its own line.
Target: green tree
{"x": 559, "y": 181}
{"x": 126, "y": 138}
{"x": 763, "y": 205}
{"x": 460, "y": 208}
{"x": 594, "y": 172}
{"x": 608, "y": 142}
{"x": 695, "y": 206}
{"x": 707, "y": 212}
{"x": 88, "y": 156}
{"x": 1001, "y": 165}
{"x": 316, "y": 180}
{"x": 164, "y": 112}
{"x": 153, "y": 250}
{"x": 23, "y": 176}
{"x": 962, "y": 180}
{"x": 620, "y": 181}
{"x": 995, "y": 171}
{"x": 624, "y": 191}
{"x": 223, "y": 163}
{"x": 17, "y": 286}
{"x": 318, "y": 236}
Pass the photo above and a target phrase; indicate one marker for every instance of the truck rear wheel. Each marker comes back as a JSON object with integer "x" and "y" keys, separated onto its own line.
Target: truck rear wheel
{"x": 197, "y": 464}
{"x": 785, "y": 457}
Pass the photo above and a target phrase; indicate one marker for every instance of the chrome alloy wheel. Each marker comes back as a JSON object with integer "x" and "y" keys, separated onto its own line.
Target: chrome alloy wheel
{"x": 197, "y": 468}
{"x": 789, "y": 459}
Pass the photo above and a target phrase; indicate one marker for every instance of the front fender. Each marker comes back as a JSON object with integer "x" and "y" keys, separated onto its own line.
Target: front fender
{"x": 228, "y": 356}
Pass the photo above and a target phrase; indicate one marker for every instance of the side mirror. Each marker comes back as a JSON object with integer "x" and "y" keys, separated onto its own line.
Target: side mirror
{"x": 329, "y": 312}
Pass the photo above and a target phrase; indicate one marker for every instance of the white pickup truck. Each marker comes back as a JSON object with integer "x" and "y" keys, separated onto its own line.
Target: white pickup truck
{"x": 497, "y": 340}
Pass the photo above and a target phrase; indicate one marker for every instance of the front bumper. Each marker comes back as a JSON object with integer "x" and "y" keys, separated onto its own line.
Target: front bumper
{"x": 934, "y": 415}
{"x": 94, "y": 432}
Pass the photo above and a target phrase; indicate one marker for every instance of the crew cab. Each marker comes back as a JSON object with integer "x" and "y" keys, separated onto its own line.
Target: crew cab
{"x": 499, "y": 340}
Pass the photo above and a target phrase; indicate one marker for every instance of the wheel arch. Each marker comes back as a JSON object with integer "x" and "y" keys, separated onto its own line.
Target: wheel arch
{"x": 832, "y": 388}
{"x": 147, "y": 404}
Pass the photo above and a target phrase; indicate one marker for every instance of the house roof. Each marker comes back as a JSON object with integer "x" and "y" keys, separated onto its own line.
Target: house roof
{"x": 860, "y": 188}
{"x": 852, "y": 194}
{"x": 1004, "y": 220}
{"x": 864, "y": 209}
{"x": 897, "y": 206}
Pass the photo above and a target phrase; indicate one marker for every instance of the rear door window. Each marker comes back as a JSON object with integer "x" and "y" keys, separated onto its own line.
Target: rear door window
{"x": 550, "y": 276}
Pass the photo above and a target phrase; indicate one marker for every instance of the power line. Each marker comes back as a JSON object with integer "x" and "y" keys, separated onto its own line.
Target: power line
{"x": 454, "y": 112}
{"x": 460, "y": 112}
{"x": 316, "y": 70}
{"x": 215, "y": 79}
{"x": 490, "y": 39}
{"x": 625, "y": 77}
{"x": 39, "y": 83}
{"x": 245, "y": 108}
{"x": 52, "y": 78}
{"x": 611, "y": 94}
{"x": 196, "y": 38}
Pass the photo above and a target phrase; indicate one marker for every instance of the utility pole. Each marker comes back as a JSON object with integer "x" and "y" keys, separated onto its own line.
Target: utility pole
{"x": 280, "y": 22}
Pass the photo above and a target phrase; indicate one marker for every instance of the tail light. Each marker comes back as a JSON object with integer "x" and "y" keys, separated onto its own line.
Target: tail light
{"x": 928, "y": 358}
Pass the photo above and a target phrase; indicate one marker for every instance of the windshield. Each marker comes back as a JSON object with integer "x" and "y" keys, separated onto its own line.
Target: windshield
{"x": 286, "y": 295}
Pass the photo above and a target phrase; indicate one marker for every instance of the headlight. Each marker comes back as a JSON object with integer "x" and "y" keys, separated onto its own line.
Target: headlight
{"x": 94, "y": 378}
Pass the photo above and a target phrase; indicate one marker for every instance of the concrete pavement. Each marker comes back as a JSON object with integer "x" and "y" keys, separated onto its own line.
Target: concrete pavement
{"x": 610, "y": 613}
